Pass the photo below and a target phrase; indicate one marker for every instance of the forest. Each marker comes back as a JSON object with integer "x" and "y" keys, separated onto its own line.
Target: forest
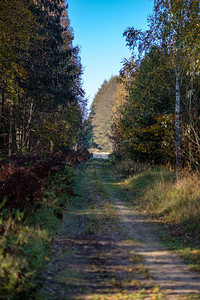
{"x": 156, "y": 102}
{"x": 64, "y": 214}
{"x": 42, "y": 100}
{"x": 42, "y": 133}
{"x": 158, "y": 117}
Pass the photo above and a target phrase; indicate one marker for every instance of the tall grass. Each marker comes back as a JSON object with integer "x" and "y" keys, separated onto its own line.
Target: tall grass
{"x": 175, "y": 201}
{"x": 159, "y": 191}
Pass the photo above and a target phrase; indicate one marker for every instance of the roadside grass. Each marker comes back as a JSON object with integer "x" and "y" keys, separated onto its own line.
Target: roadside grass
{"x": 175, "y": 203}
{"x": 25, "y": 238}
{"x": 152, "y": 294}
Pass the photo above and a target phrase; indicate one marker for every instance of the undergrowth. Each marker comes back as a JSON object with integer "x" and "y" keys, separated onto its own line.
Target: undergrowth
{"x": 175, "y": 202}
{"x": 26, "y": 235}
{"x": 128, "y": 167}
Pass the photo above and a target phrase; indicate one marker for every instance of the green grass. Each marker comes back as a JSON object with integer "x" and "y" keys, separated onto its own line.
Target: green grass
{"x": 25, "y": 240}
{"x": 140, "y": 184}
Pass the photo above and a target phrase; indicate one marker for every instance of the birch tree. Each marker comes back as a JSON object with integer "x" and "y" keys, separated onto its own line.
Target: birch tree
{"x": 174, "y": 26}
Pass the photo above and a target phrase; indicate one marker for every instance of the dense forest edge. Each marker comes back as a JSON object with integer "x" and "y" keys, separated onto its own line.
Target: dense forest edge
{"x": 43, "y": 135}
{"x": 148, "y": 117}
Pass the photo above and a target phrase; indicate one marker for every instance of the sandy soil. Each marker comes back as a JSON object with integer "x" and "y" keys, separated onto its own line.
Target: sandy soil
{"x": 166, "y": 268}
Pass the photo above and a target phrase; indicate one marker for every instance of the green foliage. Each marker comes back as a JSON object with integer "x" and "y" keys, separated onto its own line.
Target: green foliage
{"x": 144, "y": 129}
{"x": 151, "y": 123}
{"x": 59, "y": 128}
{"x": 25, "y": 238}
{"x": 86, "y": 135}
{"x": 16, "y": 29}
{"x": 42, "y": 101}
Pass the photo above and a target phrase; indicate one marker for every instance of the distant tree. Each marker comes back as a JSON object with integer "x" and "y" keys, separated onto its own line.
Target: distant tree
{"x": 102, "y": 113}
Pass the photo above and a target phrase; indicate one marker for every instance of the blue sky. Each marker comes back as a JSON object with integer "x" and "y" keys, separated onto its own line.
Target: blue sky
{"x": 98, "y": 27}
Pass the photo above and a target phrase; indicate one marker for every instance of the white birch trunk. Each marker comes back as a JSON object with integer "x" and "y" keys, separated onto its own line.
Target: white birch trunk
{"x": 177, "y": 118}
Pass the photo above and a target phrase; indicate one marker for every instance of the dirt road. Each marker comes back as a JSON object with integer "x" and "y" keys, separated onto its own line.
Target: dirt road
{"x": 103, "y": 155}
{"x": 105, "y": 250}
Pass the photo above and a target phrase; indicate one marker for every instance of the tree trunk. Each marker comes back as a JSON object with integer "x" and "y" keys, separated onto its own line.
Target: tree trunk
{"x": 28, "y": 127}
{"x": 2, "y": 122}
{"x": 177, "y": 118}
{"x": 12, "y": 148}
{"x": 2, "y": 111}
{"x": 190, "y": 123}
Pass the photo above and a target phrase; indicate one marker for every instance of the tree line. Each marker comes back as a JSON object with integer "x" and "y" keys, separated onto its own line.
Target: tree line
{"x": 157, "y": 115}
{"x": 101, "y": 116}
{"x": 42, "y": 102}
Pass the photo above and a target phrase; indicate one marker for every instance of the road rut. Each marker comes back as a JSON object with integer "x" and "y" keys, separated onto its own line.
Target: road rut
{"x": 105, "y": 250}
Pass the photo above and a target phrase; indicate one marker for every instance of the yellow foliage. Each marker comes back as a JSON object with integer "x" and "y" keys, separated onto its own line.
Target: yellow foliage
{"x": 120, "y": 97}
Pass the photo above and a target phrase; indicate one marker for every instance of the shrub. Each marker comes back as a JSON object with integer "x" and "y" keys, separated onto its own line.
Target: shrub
{"x": 23, "y": 178}
{"x": 21, "y": 188}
